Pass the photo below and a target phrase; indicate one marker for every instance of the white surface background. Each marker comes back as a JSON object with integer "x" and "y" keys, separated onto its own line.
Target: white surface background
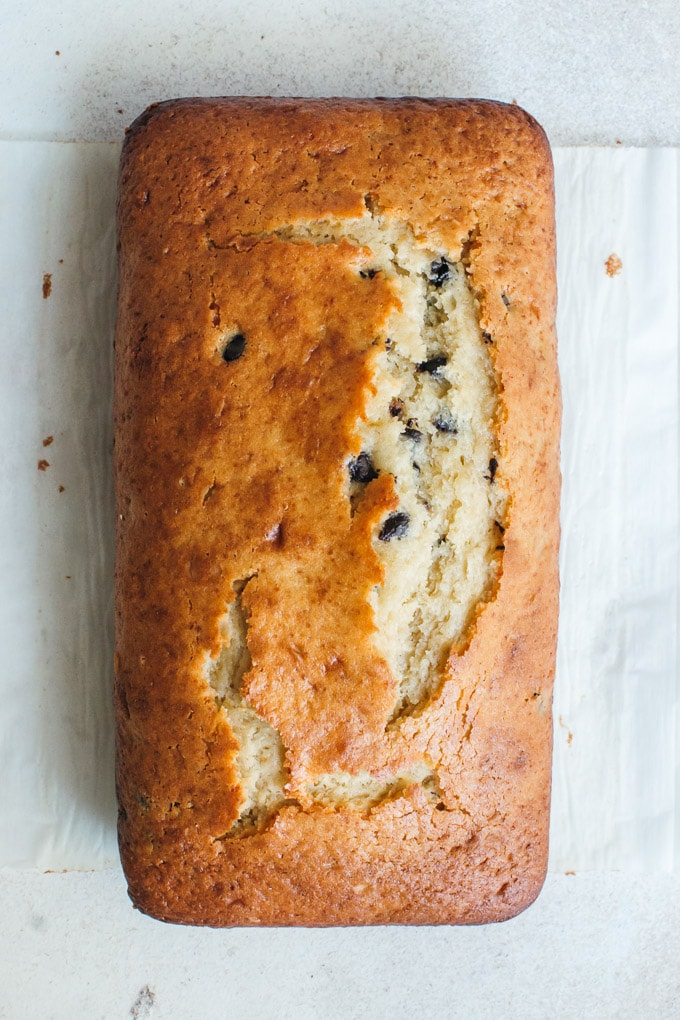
{"x": 592, "y": 71}
{"x": 595, "y": 945}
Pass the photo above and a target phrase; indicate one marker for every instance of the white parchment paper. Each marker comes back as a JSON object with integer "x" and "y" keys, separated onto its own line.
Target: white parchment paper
{"x": 617, "y": 744}
{"x": 56, "y": 551}
{"x": 617, "y": 795}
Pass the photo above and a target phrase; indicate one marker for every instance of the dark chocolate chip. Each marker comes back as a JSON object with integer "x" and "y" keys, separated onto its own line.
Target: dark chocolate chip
{"x": 500, "y": 527}
{"x": 361, "y": 469}
{"x": 493, "y": 467}
{"x": 444, "y": 422}
{"x": 500, "y": 548}
{"x": 396, "y": 526}
{"x": 506, "y": 300}
{"x": 412, "y": 431}
{"x": 396, "y": 407}
{"x": 486, "y": 337}
{"x": 440, "y": 271}
{"x": 389, "y": 343}
{"x": 368, "y": 274}
{"x": 432, "y": 365}
{"x": 234, "y": 348}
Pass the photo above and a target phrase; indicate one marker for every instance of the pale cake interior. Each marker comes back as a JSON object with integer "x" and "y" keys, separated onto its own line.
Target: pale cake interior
{"x": 431, "y": 422}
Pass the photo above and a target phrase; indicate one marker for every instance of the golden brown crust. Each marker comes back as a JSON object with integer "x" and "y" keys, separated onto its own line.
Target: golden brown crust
{"x": 228, "y": 471}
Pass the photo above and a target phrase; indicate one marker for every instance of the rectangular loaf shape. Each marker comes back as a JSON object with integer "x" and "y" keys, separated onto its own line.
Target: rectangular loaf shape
{"x": 337, "y": 472}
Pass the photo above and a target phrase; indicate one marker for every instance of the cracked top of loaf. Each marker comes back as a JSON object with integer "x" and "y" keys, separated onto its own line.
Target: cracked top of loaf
{"x": 337, "y": 474}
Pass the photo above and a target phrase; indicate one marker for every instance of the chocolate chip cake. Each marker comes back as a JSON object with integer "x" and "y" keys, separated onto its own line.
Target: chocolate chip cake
{"x": 337, "y": 472}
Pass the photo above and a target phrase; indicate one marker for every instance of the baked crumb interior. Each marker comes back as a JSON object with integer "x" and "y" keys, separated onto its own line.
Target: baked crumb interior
{"x": 430, "y": 422}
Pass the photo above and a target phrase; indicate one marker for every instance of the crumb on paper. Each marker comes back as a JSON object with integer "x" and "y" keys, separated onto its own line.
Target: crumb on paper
{"x": 48, "y": 440}
{"x": 570, "y": 735}
{"x": 570, "y": 873}
{"x": 120, "y": 110}
{"x": 613, "y": 265}
{"x": 62, "y": 488}
{"x": 47, "y": 285}
{"x": 43, "y": 465}
{"x": 68, "y": 577}
{"x": 143, "y": 1004}
{"x": 61, "y": 262}
{"x": 57, "y": 53}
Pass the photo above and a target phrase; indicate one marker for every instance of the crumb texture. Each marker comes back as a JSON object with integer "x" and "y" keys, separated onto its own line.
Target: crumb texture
{"x": 259, "y": 761}
{"x": 429, "y": 425}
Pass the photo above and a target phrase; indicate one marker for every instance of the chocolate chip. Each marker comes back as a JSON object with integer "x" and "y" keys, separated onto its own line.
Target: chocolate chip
{"x": 397, "y": 407}
{"x": 444, "y": 422}
{"x": 432, "y": 365}
{"x": 412, "y": 431}
{"x": 506, "y": 300}
{"x": 368, "y": 274}
{"x": 361, "y": 469}
{"x": 486, "y": 337}
{"x": 234, "y": 348}
{"x": 440, "y": 271}
{"x": 396, "y": 526}
{"x": 493, "y": 467}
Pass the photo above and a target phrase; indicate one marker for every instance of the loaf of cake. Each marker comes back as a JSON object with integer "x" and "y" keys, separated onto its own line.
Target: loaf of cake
{"x": 337, "y": 472}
